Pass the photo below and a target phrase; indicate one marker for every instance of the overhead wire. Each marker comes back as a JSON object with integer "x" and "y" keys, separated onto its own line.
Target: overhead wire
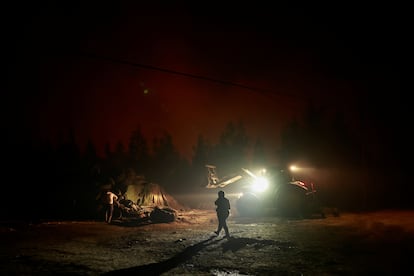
{"x": 266, "y": 92}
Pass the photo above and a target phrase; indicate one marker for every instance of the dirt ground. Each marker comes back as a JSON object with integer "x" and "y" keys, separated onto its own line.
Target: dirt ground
{"x": 378, "y": 243}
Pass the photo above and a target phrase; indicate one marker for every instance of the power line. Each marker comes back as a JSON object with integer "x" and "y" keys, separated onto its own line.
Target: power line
{"x": 266, "y": 92}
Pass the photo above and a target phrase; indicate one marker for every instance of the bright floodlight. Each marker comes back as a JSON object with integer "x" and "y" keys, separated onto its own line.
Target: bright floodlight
{"x": 293, "y": 168}
{"x": 260, "y": 184}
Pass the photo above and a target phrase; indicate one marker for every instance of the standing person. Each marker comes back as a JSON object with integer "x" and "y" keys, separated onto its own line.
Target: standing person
{"x": 223, "y": 212}
{"x": 111, "y": 198}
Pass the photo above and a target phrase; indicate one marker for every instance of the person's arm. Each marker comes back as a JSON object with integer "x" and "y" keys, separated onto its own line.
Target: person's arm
{"x": 116, "y": 201}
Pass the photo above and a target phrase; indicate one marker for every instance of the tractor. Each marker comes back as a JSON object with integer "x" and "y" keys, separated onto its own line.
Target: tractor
{"x": 263, "y": 193}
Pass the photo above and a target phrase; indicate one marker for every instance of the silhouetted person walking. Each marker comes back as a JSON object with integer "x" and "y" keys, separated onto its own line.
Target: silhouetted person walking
{"x": 223, "y": 212}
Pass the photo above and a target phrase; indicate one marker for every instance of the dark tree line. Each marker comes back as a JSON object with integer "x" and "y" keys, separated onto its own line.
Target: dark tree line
{"x": 45, "y": 181}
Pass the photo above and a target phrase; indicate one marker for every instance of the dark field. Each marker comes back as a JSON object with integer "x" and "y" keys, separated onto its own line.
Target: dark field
{"x": 377, "y": 243}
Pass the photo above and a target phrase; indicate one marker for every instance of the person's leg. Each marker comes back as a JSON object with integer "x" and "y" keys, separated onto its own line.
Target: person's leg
{"x": 221, "y": 223}
{"x": 106, "y": 213}
{"x": 111, "y": 211}
{"x": 226, "y": 229}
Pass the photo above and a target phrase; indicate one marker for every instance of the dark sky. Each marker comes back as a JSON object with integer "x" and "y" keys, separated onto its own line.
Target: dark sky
{"x": 105, "y": 70}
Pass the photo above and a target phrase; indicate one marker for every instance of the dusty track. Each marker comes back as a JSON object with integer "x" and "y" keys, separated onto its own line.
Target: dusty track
{"x": 352, "y": 244}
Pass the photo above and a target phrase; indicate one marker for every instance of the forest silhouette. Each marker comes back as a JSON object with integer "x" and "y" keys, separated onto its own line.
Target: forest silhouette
{"x": 61, "y": 181}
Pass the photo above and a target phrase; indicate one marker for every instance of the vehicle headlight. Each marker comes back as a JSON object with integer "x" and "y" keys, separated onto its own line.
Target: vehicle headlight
{"x": 260, "y": 184}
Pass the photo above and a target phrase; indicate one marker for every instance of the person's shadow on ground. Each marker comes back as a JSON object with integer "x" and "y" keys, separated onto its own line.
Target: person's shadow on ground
{"x": 232, "y": 244}
{"x": 164, "y": 266}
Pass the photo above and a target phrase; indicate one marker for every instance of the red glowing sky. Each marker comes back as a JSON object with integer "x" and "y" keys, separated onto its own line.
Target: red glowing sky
{"x": 86, "y": 69}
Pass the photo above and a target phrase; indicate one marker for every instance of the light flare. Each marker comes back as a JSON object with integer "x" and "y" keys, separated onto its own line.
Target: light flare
{"x": 260, "y": 184}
